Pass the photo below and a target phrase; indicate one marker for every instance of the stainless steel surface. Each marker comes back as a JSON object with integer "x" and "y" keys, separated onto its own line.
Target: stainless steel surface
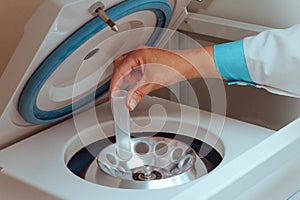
{"x": 97, "y": 9}
{"x": 152, "y": 158}
{"x": 159, "y": 160}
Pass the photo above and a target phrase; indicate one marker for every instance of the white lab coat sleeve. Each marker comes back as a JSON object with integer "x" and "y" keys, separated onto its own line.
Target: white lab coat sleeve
{"x": 273, "y": 60}
{"x": 269, "y": 60}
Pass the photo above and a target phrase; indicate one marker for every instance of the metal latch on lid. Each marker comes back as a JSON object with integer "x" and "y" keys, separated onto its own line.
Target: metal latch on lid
{"x": 97, "y": 9}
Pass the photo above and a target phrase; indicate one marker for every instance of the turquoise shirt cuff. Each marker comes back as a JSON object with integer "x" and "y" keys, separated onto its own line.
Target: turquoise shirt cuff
{"x": 231, "y": 63}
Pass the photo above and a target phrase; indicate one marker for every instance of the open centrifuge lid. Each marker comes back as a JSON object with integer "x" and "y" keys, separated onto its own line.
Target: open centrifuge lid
{"x": 34, "y": 90}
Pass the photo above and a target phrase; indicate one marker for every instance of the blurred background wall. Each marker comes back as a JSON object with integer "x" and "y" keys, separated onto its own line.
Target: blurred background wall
{"x": 13, "y": 16}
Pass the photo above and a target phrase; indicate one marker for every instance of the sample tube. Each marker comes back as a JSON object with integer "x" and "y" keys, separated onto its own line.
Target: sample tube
{"x": 122, "y": 124}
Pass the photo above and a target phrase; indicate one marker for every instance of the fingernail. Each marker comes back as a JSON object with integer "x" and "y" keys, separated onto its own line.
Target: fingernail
{"x": 132, "y": 104}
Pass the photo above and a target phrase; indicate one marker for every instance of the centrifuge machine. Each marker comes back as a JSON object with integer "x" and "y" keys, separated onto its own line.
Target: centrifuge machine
{"x": 56, "y": 121}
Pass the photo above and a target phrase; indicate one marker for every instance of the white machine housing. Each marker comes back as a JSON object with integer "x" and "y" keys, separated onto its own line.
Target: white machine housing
{"x": 256, "y": 160}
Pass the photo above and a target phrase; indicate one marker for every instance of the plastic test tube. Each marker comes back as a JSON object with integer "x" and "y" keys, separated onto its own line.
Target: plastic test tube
{"x": 122, "y": 124}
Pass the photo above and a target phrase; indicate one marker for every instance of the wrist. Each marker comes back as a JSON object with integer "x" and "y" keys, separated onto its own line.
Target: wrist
{"x": 201, "y": 62}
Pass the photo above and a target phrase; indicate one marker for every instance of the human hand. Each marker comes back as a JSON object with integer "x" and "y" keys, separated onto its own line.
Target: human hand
{"x": 147, "y": 69}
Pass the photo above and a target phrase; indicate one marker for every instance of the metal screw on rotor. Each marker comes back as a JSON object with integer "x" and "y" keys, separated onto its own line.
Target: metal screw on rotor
{"x": 97, "y": 9}
{"x": 147, "y": 172}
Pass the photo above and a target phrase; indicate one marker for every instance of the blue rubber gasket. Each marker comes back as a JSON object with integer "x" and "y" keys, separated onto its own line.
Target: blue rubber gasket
{"x": 27, "y": 105}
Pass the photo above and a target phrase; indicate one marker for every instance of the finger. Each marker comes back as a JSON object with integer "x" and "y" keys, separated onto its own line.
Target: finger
{"x": 135, "y": 95}
{"x": 122, "y": 67}
{"x": 134, "y": 76}
{"x": 117, "y": 62}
